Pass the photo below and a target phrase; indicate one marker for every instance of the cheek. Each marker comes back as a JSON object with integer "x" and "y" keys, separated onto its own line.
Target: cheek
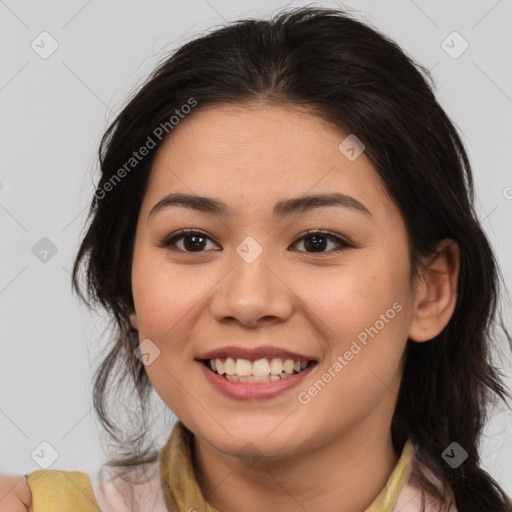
{"x": 164, "y": 296}
{"x": 166, "y": 302}
{"x": 354, "y": 296}
{"x": 360, "y": 376}
{"x": 167, "y": 305}
{"x": 362, "y": 312}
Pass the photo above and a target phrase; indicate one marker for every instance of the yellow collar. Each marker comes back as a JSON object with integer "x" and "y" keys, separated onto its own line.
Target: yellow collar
{"x": 182, "y": 492}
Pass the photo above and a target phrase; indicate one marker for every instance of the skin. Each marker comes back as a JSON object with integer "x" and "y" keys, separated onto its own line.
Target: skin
{"x": 335, "y": 452}
{"x": 15, "y": 495}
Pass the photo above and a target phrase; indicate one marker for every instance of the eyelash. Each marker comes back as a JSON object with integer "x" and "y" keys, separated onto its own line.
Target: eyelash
{"x": 170, "y": 240}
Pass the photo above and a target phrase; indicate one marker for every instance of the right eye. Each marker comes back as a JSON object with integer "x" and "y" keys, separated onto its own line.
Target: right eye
{"x": 192, "y": 241}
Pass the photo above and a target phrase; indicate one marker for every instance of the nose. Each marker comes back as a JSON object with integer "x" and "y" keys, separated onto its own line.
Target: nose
{"x": 252, "y": 293}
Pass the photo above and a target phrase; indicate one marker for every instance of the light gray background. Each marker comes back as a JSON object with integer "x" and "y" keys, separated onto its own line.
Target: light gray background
{"x": 53, "y": 114}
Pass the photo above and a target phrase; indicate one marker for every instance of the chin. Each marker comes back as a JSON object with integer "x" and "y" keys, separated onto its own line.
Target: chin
{"x": 252, "y": 439}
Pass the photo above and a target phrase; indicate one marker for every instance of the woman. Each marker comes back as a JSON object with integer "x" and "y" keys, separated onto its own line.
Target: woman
{"x": 285, "y": 236}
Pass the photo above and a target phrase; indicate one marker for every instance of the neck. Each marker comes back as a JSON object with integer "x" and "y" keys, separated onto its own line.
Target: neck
{"x": 345, "y": 474}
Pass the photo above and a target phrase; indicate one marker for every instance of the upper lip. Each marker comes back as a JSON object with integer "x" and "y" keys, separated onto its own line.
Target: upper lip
{"x": 253, "y": 354}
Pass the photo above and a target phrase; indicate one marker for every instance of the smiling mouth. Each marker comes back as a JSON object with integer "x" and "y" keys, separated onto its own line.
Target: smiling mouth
{"x": 261, "y": 370}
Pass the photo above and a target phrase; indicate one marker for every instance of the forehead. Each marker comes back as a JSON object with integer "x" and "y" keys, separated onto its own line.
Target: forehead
{"x": 257, "y": 154}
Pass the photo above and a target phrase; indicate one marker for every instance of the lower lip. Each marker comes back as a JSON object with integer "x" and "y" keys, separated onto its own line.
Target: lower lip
{"x": 253, "y": 390}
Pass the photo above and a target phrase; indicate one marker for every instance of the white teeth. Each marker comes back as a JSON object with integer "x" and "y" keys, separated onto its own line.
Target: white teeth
{"x": 262, "y": 370}
{"x": 288, "y": 366}
{"x": 230, "y": 366}
{"x": 252, "y": 378}
{"x": 276, "y": 366}
{"x": 243, "y": 367}
{"x": 221, "y": 367}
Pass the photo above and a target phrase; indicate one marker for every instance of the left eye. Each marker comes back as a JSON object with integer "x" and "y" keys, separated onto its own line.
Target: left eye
{"x": 195, "y": 241}
{"x": 318, "y": 240}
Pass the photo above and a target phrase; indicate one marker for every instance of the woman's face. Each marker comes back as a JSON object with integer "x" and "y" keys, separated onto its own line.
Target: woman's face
{"x": 254, "y": 289}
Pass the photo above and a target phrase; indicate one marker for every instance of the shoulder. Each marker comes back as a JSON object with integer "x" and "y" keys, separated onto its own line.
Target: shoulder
{"x": 138, "y": 489}
{"x": 61, "y": 490}
{"x": 102, "y": 490}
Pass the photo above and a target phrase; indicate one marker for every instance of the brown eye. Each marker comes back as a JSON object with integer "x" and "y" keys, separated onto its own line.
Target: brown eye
{"x": 315, "y": 242}
{"x": 192, "y": 241}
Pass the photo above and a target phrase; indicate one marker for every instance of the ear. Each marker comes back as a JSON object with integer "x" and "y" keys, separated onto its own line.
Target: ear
{"x": 134, "y": 321}
{"x": 436, "y": 292}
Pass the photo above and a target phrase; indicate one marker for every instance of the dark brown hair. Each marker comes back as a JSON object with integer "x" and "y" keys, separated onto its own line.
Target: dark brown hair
{"x": 359, "y": 80}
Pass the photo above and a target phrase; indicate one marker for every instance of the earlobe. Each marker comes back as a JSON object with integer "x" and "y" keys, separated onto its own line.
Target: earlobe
{"x": 436, "y": 292}
{"x": 134, "y": 321}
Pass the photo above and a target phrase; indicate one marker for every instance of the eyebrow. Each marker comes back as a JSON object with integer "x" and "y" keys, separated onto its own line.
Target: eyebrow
{"x": 282, "y": 208}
